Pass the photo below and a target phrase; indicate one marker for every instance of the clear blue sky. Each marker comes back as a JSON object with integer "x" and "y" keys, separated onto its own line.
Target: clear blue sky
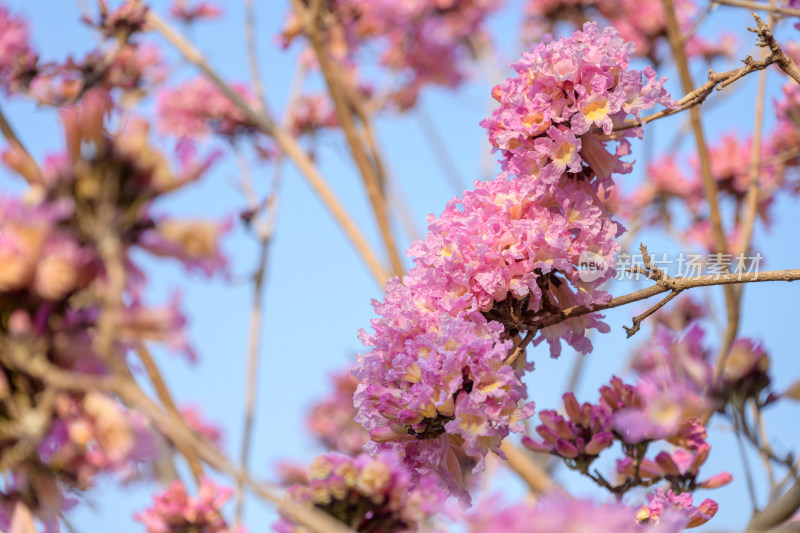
{"x": 319, "y": 293}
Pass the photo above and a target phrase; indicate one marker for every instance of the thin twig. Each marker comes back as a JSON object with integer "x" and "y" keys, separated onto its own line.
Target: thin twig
{"x": 252, "y": 50}
{"x": 375, "y": 191}
{"x": 285, "y": 141}
{"x": 162, "y": 391}
{"x": 709, "y": 182}
{"x": 526, "y": 468}
{"x": 759, "y": 7}
{"x": 637, "y": 320}
{"x": 27, "y": 161}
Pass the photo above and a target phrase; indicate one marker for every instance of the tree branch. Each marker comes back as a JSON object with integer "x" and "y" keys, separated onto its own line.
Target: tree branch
{"x": 285, "y": 141}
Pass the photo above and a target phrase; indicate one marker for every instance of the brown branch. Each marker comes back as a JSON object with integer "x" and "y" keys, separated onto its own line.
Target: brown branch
{"x": 759, "y": 7}
{"x": 637, "y": 320}
{"x": 285, "y": 141}
{"x": 709, "y": 182}
{"x": 778, "y": 512}
{"x": 162, "y": 391}
{"x": 670, "y": 284}
{"x": 721, "y": 80}
{"x": 309, "y": 19}
{"x": 526, "y": 468}
{"x": 767, "y": 40}
{"x": 252, "y": 50}
{"x": 176, "y": 429}
{"x": 27, "y": 165}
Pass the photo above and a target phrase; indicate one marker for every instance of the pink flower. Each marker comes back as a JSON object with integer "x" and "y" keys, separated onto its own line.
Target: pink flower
{"x": 569, "y": 90}
{"x": 17, "y": 59}
{"x": 661, "y": 501}
{"x": 174, "y": 510}
{"x": 196, "y": 108}
{"x": 332, "y": 420}
{"x": 565, "y": 515}
{"x": 195, "y": 243}
{"x": 188, "y": 13}
{"x": 344, "y": 486}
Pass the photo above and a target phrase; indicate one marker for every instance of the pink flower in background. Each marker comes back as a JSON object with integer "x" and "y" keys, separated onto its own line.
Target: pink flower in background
{"x": 332, "y": 420}
{"x": 174, "y": 510}
{"x": 366, "y": 493}
{"x": 195, "y": 419}
{"x": 17, "y": 59}
{"x": 195, "y": 243}
{"x": 197, "y": 108}
{"x": 189, "y": 11}
{"x": 566, "y": 515}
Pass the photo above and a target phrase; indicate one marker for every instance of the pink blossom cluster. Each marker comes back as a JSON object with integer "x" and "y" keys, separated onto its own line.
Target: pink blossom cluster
{"x": 433, "y": 382}
{"x": 56, "y": 275}
{"x": 189, "y": 12}
{"x": 17, "y": 58}
{"x": 661, "y": 501}
{"x": 366, "y": 493}
{"x": 423, "y": 41}
{"x": 566, "y": 515}
{"x": 643, "y": 22}
{"x": 669, "y": 184}
{"x": 131, "y": 67}
{"x": 174, "y": 511}
{"x": 332, "y": 419}
{"x": 512, "y": 254}
{"x": 566, "y": 96}
{"x": 196, "y": 108}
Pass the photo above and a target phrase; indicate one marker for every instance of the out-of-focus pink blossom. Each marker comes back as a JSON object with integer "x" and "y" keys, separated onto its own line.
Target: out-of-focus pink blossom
{"x": 197, "y": 108}
{"x": 195, "y": 243}
{"x": 566, "y": 515}
{"x": 189, "y": 12}
{"x": 174, "y": 510}
{"x": 367, "y": 493}
{"x": 332, "y": 420}
{"x": 17, "y": 59}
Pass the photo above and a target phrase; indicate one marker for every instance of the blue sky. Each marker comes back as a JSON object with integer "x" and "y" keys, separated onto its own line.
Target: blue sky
{"x": 318, "y": 292}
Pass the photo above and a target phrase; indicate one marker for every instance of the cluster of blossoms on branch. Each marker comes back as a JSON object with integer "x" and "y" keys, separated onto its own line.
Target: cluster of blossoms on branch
{"x": 367, "y": 493}
{"x": 174, "y": 510}
{"x": 444, "y": 372}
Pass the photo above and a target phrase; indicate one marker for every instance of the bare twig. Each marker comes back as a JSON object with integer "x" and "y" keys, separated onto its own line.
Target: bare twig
{"x": 252, "y": 50}
{"x": 709, "y": 183}
{"x": 637, "y": 320}
{"x": 758, "y": 6}
{"x": 720, "y": 80}
{"x": 777, "y": 512}
{"x": 162, "y": 391}
{"x": 375, "y": 190}
{"x": 670, "y": 284}
{"x": 285, "y": 141}
{"x": 33, "y": 173}
{"x": 526, "y": 468}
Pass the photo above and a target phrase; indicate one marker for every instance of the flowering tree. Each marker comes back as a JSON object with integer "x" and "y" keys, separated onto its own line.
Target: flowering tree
{"x": 515, "y": 268}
